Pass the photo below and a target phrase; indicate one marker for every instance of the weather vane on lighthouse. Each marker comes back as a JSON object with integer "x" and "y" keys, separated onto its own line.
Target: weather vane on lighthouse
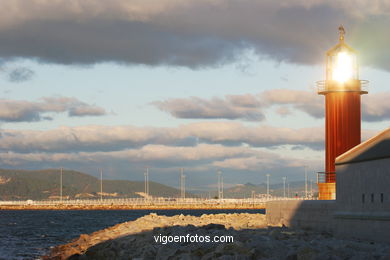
{"x": 342, "y": 33}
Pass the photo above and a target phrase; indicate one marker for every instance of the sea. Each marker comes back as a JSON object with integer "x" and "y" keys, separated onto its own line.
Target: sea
{"x": 29, "y": 234}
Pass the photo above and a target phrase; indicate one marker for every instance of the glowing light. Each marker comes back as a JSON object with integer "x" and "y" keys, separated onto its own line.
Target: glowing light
{"x": 343, "y": 69}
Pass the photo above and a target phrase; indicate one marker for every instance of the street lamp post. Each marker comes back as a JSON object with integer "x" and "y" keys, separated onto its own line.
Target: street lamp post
{"x": 146, "y": 175}
{"x": 182, "y": 183}
{"x": 288, "y": 190}
{"x": 61, "y": 186}
{"x": 146, "y": 182}
{"x": 220, "y": 184}
{"x": 101, "y": 184}
{"x": 311, "y": 187}
{"x": 305, "y": 181}
{"x": 221, "y": 187}
{"x": 268, "y": 184}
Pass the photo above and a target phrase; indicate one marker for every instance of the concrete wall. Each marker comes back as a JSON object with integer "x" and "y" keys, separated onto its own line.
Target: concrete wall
{"x": 363, "y": 226}
{"x": 311, "y": 214}
{"x": 371, "y": 178}
{"x": 360, "y": 210}
{"x": 323, "y": 215}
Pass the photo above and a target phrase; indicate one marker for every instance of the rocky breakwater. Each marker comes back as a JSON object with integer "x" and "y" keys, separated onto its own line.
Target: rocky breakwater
{"x": 252, "y": 239}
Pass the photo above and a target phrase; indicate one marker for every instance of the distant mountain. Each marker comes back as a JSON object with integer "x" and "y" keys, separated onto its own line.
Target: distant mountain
{"x": 45, "y": 184}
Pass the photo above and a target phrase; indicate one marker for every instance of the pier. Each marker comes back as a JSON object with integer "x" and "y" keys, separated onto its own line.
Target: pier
{"x": 138, "y": 204}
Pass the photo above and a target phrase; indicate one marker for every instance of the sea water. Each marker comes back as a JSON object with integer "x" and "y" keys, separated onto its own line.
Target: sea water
{"x": 28, "y": 234}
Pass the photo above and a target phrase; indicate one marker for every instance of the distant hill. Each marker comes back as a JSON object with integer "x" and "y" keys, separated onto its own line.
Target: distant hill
{"x": 45, "y": 184}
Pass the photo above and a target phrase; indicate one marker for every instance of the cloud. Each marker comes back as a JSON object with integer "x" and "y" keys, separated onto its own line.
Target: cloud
{"x": 261, "y": 136}
{"x": 155, "y": 154}
{"x": 252, "y": 107}
{"x": 248, "y": 107}
{"x": 16, "y": 74}
{"x": 20, "y": 74}
{"x": 201, "y": 148}
{"x": 94, "y": 138}
{"x": 307, "y": 101}
{"x": 83, "y": 109}
{"x": 232, "y": 107}
{"x": 113, "y": 138}
{"x": 265, "y": 161}
{"x": 199, "y": 159}
{"x": 200, "y": 162}
{"x": 29, "y": 111}
{"x": 189, "y": 33}
{"x": 376, "y": 107}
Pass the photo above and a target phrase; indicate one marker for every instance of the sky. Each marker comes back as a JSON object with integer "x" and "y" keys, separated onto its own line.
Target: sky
{"x": 203, "y": 85}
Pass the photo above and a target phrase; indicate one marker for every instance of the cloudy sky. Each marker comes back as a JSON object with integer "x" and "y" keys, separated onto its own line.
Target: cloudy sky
{"x": 198, "y": 84}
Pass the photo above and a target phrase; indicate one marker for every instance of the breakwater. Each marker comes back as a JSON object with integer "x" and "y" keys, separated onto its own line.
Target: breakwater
{"x": 252, "y": 239}
{"x": 130, "y": 207}
{"x": 135, "y": 204}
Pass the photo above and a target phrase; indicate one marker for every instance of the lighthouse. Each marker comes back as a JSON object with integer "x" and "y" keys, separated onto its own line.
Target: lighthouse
{"x": 342, "y": 89}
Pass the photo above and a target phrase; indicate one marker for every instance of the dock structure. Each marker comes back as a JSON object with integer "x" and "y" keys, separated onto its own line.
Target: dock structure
{"x": 138, "y": 203}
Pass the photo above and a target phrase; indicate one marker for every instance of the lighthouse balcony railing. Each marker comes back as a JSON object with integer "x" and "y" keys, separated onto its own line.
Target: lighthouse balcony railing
{"x": 326, "y": 177}
{"x": 326, "y": 86}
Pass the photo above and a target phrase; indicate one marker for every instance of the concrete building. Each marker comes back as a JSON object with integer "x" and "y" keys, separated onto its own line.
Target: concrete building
{"x": 363, "y": 189}
{"x": 362, "y": 206}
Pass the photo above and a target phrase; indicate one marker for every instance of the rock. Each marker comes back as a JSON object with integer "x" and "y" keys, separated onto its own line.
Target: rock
{"x": 73, "y": 252}
{"x": 342, "y": 251}
{"x": 134, "y": 239}
{"x": 83, "y": 237}
{"x": 274, "y": 233}
{"x": 233, "y": 249}
{"x": 293, "y": 256}
{"x": 214, "y": 226}
{"x": 356, "y": 246}
{"x": 164, "y": 253}
{"x": 185, "y": 256}
{"x": 74, "y": 257}
{"x": 385, "y": 257}
{"x": 306, "y": 253}
{"x": 228, "y": 257}
{"x": 149, "y": 252}
{"x": 208, "y": 256}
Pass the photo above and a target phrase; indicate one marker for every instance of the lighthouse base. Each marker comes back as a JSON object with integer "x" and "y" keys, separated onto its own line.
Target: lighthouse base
{"x": 327, "y": 191}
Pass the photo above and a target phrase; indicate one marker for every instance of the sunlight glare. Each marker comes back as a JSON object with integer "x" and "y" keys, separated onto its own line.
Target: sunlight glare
{"x": 342, "y": 71}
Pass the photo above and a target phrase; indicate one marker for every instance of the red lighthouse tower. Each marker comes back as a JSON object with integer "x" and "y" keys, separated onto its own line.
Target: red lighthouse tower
{"x": 342, "y": 90}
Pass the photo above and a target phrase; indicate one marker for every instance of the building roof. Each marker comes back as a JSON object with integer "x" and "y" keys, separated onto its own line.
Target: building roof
{"x": 375, "y": 148}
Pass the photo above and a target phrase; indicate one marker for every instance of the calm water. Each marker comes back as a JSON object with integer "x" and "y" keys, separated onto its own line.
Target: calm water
{"x": 30, "y": 234}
